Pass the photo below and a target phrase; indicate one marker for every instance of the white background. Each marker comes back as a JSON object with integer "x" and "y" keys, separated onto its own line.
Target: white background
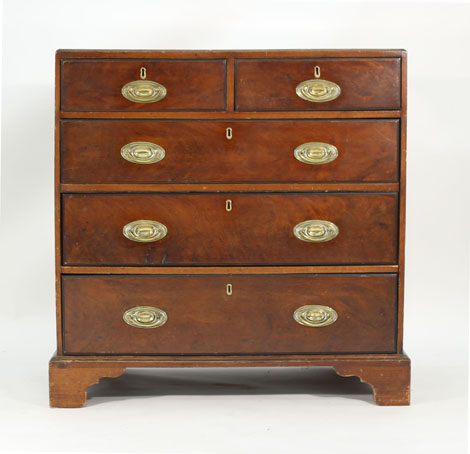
{"x": 240, "y": 410}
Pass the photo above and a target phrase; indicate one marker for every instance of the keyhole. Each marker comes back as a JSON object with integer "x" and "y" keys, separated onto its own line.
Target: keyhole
{"x": 228, "y": 205}
{"x": 229, "y": 289}
{"x": 317, "y": 72}
{"x": 143, "y": 73}
{"x": 229, "y": 133}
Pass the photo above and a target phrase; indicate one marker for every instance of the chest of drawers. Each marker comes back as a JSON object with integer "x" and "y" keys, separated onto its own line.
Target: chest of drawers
{"x": 232, "y": 209}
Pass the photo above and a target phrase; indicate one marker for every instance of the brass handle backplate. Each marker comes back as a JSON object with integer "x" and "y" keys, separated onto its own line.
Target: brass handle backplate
{"x": 316, "y": 153}
{"x": 315, "y": 316}
{"x": 142, "y": 152}
{"x": 145, "y": 317}
{"x": 318, "y": 90}
{"x": 316, "y": 231}
{"x": 143, "y": 91}
{"x": 144, "y": 231}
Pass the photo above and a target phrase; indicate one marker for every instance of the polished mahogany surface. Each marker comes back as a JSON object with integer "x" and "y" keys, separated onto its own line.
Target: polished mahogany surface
{"x": 228, "y": 190}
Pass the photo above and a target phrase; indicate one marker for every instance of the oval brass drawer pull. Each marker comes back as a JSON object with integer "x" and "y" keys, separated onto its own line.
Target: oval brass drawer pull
{"x": 142, "y": 152}
{"x": 315, "y": 316}
{"x": 145, "y": 317}
{"x": 144, "y": 231}
{"x": 316, "y": 153}
{"x": 318, "y": 90}
{"x": 316, "y": 231}
{"x": 143, "y": 91}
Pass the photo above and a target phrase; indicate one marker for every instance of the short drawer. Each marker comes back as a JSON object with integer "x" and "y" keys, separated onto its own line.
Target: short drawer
{"x": 144, "y": 85}
{"x": 318, "y": 84}
{"x": 195, "y": 315}
{"x": 154, "y": 151}
{"x": 229, "y": 229}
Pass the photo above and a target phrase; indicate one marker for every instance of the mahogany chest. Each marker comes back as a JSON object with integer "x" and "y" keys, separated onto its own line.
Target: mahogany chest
{"x": 230, "y": 208}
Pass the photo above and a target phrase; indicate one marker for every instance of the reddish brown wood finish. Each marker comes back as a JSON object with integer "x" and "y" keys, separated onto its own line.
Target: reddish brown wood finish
{"x": 96, "y": 84}
{"x": 230, "y": 83}
{"x": 256, "y": 318}
{"x": 230, "y": 115}
{"x": 388, "y": 375}
{"x": 69, "y": 382}
{"x": 57, "y": 208}
{"x": 269, "y": 84}
{"x": 178, "y": 270}
{"x": 258, "y": 230}
{"x": 226, "y": 187}
{"x": 221, "y": 54}
{"x": 402, "y": 227}
{"x": 198, "y": 151}
{"x": 390, "y": 380}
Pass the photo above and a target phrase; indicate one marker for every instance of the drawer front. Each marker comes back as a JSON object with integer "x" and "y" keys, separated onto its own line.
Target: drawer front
{"x": 229, "y": 229}
{"x": 357, "y": 84}
{"x": 98, "y": 85}
{"x": 194, "y": 314}
{"x": 258, "y": 151}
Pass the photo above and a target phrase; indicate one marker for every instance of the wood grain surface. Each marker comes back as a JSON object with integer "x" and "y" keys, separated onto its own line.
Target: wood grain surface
{"x": 256, "y": 318}
{"x": 96, "y": 84}
{"x": 260, "y": 151}
{"x": 269, "y": 84}
{"x": 258, "y": 230}
{"x": 361, "y": 272}
{"x": 387, "y": 374}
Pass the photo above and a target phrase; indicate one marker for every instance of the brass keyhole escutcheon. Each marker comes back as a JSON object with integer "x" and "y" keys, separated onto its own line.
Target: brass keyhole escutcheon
{"x": 228, "y": 205}
{"x": 229, "y": 133}
{"x": 317, "y": 72}
{"x": 143, "y": 73}
{"x": 229, "y": 289}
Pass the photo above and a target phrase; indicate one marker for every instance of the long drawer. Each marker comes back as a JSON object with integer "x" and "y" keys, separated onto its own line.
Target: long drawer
{"x": 142, "y": 85}
{"x": 118, "y": 151}
{"x": 263, "y": 314}
{"x": 318, "y": 84}
{"x": 229, "y": 229}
